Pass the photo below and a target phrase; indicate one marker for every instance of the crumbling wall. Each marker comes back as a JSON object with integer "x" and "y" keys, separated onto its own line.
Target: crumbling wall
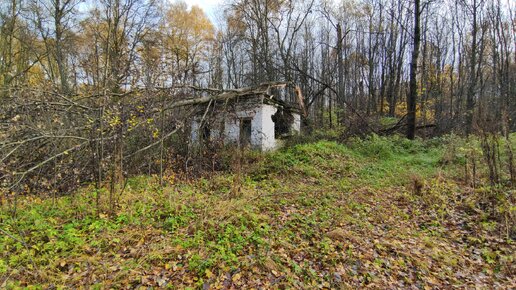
{"x": 264, "y": 133}
{"x": 286, "y": 123}
{"x": 262, "y": 125}
{"x": 296, "y": 124}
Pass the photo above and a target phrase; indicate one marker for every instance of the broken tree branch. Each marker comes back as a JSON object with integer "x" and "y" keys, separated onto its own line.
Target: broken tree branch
{"x": 224, "y": 95}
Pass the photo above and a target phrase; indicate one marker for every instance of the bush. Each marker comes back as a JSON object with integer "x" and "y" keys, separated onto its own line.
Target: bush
{"x": 376, "y": 146}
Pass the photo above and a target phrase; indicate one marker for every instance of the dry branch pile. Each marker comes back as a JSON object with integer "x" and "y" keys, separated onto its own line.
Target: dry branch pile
{"x": 58, "y": 142}
{"x": 55, "y": 142}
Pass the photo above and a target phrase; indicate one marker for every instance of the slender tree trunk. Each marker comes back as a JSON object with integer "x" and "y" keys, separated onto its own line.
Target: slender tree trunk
{"x": 340, "y": 72}
{"x": 470, "y": 98}
{"x": 60, "y": 58}
{"x": 412, "y": 96}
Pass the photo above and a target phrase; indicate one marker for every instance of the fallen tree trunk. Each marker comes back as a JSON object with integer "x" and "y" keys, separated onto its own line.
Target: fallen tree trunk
{"x": 224, "y": 95}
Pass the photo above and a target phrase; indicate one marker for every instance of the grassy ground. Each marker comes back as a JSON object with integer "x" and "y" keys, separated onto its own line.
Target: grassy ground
{"x": 379, "y": 212}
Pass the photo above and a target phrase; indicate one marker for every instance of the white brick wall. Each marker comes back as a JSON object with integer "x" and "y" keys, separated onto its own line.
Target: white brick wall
{"x": 262, "y": 126}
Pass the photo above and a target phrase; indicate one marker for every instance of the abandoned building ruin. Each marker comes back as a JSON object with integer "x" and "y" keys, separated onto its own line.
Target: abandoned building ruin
{"x": 260, "y": 118}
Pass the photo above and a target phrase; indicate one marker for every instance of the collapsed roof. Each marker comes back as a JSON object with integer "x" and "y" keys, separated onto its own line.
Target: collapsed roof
{"x": 267, "y": 91}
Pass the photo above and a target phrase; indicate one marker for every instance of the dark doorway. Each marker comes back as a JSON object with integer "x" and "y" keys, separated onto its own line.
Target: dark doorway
{"x": 206, "y": 133}
{"x": 245, "y": 132}
{"x": 283, "y": 120}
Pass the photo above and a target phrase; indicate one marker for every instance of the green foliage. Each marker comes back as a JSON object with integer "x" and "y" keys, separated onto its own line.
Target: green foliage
{"x": 315, "y": 160}
{"x": 388, "y": 121}
{"x": 366, "y": 212}
{"x": 388, "y": 147}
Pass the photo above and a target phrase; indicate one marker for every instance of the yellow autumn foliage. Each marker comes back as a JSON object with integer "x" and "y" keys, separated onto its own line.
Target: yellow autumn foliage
{"x": 188, "y": 31}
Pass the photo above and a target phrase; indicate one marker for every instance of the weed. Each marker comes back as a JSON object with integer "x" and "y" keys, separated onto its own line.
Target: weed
{"x": 306, "y": 216}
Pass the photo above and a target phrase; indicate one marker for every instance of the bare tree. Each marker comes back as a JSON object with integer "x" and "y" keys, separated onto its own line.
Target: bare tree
{"x": 412, "y": 95}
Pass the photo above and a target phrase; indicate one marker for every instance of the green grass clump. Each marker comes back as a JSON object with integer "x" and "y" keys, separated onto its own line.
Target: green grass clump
{"x": 376, "y": 161}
